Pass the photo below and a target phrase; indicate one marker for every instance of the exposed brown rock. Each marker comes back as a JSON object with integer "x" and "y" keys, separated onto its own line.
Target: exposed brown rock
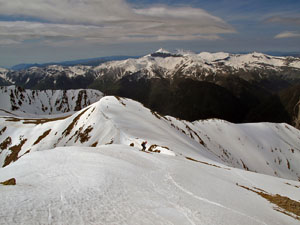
{"x": 84, "y": 136}
{"x": 244, "y": 166}
{"x": 95, "y": 144}
{"x": 5, "y": 143}
{"x": 11, "y": 181}
{"x": 286, "y": 205}
{"x": 68, "y": 130}
{"x": 34, "y": 121}
{"x": 14, "y": 152}
{"x": 120, "y": 100}
{"x": 205, "y": 163}
{"x": 288, "y": 164}
{"x": 82, "y": 95}
{"x": 45, "y": 134}
{"x": 295, "y": 186}
{"x": 2, "y": 130}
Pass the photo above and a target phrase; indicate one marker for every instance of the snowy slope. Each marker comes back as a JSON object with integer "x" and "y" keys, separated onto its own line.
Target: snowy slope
{"x": 271, "y": 149}
{"x": 118, "y": 184}
{"x": 88, "y": 169}
{"x": 20, "y": 101}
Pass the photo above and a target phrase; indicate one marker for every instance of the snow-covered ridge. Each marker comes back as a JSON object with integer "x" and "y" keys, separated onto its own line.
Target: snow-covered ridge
{"x": 191, "y": 64}
{"x": 237, "y": 61}
{"x": 168, "y": 65}
{"x": 267, "y": 148}
{"x": 54, "y": 70}
{"x": 20, "y": 101}
{"x": 88, "y": 169}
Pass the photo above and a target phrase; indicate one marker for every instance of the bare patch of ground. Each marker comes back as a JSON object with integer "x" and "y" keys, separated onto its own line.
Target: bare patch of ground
{"x": 11, "y": 181}
{"x": 6, "y": 143}
{"x": 120, "y": 100}
{"x": 206, "y": 163}
{"x": 292, "y": 185}
{"x": 34, "y": 121}
{"x": 244, "y": 166}
{"x": 152, "y": 149}
{"x": 83, "y": 136}
{"x": 156, "y": 114}
{"x": 288, "y": 164}
{"x": 82, "y": 95}
{"x": 95, "y": 144}
{"x": 111, "y": 142}
{"x": 45, "y": 134}
{"x": 3, "y": 130}
{"x": 68, "y": 130}
{"x": 14, "y": 152}
{"x": 284, "y": 204}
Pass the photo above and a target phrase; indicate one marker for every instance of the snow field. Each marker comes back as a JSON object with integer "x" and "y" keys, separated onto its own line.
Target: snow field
{"x": 88, "y": 169}
{"x": 118, "y": 184}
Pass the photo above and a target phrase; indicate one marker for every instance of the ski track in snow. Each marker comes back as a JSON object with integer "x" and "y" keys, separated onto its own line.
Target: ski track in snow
{"x": 148, "y": 193}
{"x": 169, "y": 177}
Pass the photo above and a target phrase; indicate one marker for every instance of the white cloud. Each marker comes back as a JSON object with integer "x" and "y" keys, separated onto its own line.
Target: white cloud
{"x": 185, "y": 19}
{"x": 288, "y": 34}
{"x": 51, "y": 33}
{"x": 284, "y": 20}
{"x": 106, "y": 21}
{"x": 8, "y": 42}
{"x": 68, "y": 11}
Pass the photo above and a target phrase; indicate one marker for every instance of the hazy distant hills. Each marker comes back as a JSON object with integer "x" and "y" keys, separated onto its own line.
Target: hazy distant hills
{"x": 85, "y": 62}
{"x": 236, "y": 87}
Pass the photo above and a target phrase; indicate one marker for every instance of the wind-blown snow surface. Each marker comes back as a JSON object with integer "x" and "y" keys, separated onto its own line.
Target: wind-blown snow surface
{"x": 117, "y": 184}
{"x": 91, "y": 175}
{"x": 37, "y": 102}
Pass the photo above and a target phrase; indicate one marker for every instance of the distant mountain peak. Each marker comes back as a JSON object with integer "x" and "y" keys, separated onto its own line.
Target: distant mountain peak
{"x": 164, "y": 54}
{"x": 162, "y": 50}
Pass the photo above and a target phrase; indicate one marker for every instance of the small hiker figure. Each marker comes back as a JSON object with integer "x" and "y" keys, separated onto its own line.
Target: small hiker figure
{"x": 144, "y": 145}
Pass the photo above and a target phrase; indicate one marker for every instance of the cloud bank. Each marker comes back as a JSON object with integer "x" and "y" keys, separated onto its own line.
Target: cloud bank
{"x": 284, "y": 20}
{"x": 105, "y": 21}
{"x": 288, "y": 34}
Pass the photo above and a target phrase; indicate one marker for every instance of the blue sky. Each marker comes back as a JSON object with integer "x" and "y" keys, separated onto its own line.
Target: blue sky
{"x": 36, "y": 31}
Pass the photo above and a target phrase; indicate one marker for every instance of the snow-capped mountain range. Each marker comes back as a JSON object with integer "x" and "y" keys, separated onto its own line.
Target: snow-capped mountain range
{"x": 162, "y": 63}
{"x": 199, "y": 65}
{"x": 87, "y": 168}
